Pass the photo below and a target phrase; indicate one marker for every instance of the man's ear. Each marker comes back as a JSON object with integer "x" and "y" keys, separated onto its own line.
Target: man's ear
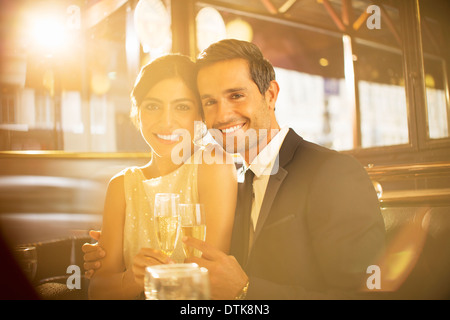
{"x": 271, "y": 94}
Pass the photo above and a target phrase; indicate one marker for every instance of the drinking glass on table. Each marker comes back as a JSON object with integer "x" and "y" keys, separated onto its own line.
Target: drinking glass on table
{"x": 167, "y": 221}
{"x": 193, "y": 225}
{"x": 182, "y": 281}
{"x": 27, "y": 259}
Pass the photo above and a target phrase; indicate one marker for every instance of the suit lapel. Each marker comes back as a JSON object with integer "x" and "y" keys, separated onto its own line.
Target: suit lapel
{"x": 287, "y": 150}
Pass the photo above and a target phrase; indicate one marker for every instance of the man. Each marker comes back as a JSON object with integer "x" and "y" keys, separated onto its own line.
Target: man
{"x": 309, "y": 225}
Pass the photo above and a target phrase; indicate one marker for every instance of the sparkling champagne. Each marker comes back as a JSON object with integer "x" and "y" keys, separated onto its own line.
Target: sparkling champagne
{"x": 198, "y": 232}
{"x": 167, "y": 233}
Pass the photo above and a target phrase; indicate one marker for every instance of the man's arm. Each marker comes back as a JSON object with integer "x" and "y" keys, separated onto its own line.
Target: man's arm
{"x": 345, "y": 222}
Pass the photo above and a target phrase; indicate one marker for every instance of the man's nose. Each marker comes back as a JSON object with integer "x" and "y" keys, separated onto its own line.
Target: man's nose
{"x": 224, "y": 111}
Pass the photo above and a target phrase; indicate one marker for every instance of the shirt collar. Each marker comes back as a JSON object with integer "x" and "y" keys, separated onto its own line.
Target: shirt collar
{"x": 265, "y": 160}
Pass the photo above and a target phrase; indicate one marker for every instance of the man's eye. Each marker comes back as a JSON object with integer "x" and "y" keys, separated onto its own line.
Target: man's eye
{"x": 183, "y": 107}
{"x": 237, "y": 96}
{"x": 209, "y": 103}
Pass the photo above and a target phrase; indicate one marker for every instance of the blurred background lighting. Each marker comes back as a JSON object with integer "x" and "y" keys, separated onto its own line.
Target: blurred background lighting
{"x": 100, "y": 83}
{"x": 47, "y": 33}
{"x": 210, "y": 27}
{"x": 153, "y": 26}
{"x": 323, "y": 62}
{"x": 48, "y": 81}
{"x": 429, "y": 81}
{"x": 239, "y": 29}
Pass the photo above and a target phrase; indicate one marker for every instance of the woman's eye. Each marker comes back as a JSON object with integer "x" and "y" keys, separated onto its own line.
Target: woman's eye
{"x": 151, "y": 106}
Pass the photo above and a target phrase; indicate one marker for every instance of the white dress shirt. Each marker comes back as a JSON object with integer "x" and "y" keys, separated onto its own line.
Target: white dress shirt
{"x": 263, "y": 166}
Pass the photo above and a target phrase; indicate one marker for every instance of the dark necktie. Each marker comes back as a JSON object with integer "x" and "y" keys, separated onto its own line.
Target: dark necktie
{"x": 242, "y": 220}
{"x": 247, "y": 211}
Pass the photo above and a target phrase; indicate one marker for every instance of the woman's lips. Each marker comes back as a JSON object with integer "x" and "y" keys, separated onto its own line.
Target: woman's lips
{"x": 168, "y": 138}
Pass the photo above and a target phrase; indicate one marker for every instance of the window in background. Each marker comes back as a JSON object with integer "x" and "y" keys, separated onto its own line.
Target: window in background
{"x": 313, "y": 98}
{"x": 316, "y": 108}
{"x": 438, "y": 117}
{"x": 382, "y": 98}
{"x": 378, "y": 61}
{"x": 8, "y": 109}
{"x": 66, "y": 81}
{"x": 435, "y": 28}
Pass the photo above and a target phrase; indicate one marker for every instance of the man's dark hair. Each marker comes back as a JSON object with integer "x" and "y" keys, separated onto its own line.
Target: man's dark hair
{"x": 261, "y": 70}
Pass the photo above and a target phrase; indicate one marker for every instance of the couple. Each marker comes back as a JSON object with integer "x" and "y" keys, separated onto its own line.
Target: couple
{"x": 307, "y": 230}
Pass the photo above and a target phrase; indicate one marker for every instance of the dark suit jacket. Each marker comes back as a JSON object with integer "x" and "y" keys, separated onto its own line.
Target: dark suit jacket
{"x": 319, "y": 228}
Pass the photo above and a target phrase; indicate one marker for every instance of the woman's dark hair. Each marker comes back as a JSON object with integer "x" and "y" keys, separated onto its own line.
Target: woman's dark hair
{"x": 261, "y": 70}
{"x": 166, "y": 67}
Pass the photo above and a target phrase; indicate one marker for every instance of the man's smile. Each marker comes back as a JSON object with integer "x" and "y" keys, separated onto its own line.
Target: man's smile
{"x": 230, "y": 129}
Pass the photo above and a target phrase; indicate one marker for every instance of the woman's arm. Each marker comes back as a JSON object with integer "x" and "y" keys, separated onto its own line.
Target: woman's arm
{"x": 217, "y": 188}
{"x": 112, "y": 281}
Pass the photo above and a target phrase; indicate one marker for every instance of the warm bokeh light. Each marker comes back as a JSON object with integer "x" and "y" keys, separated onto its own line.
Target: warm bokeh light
{"x": 323, "y": 62}
{"x": 403, "y": 251}
{"x": 100, "y": 83}
{"x": 152, "y": 21}
{"x": 47, "y": 33}
{"x": 210, "y": 27}
{"x": 429, "y": 81}
{"x": 239, "y": 29}
{"x": 48, "y": 81}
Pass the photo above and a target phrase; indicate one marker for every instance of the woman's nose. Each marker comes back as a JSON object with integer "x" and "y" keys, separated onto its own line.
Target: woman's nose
{"x": 167, "y": 116}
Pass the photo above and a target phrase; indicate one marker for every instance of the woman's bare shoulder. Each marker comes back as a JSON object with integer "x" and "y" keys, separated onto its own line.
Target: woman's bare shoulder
{"x": 215, "y": 161}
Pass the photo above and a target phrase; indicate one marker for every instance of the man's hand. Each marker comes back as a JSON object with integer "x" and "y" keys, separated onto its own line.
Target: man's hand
{"x": 93, "y": 254}
{"x": 226, "y": 276}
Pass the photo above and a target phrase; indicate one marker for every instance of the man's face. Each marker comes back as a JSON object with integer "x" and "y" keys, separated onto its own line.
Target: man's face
{"x": 233, "y": 105}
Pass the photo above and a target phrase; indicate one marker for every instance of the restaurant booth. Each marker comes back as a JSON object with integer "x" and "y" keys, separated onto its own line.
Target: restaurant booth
{"x": 367, "y": 78}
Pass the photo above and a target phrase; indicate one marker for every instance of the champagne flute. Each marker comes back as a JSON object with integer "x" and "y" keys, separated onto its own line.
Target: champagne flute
{"x": 193, "y": 224}
{"x": 167, "y": 221}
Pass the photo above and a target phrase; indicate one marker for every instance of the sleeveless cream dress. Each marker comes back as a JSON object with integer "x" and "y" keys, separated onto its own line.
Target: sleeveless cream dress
{"x": 139, "y": 228}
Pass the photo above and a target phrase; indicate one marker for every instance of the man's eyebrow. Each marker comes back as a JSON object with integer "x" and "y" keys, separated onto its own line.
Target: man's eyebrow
{"x": 231, "y": 90}
{"x": 205, "y": 96}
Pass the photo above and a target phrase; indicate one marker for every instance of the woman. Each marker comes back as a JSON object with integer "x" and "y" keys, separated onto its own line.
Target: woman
{"x": 165, "y": 100}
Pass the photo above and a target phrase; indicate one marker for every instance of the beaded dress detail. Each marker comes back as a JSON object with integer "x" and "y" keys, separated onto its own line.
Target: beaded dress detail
{"x": 139, "y": 227}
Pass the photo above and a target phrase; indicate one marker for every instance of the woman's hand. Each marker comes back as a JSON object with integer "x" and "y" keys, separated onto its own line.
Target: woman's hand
{"x": 145, "y": 258}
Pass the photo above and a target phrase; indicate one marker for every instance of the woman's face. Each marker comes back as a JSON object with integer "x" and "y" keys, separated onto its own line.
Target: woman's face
{"x": 168, "y": 106}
